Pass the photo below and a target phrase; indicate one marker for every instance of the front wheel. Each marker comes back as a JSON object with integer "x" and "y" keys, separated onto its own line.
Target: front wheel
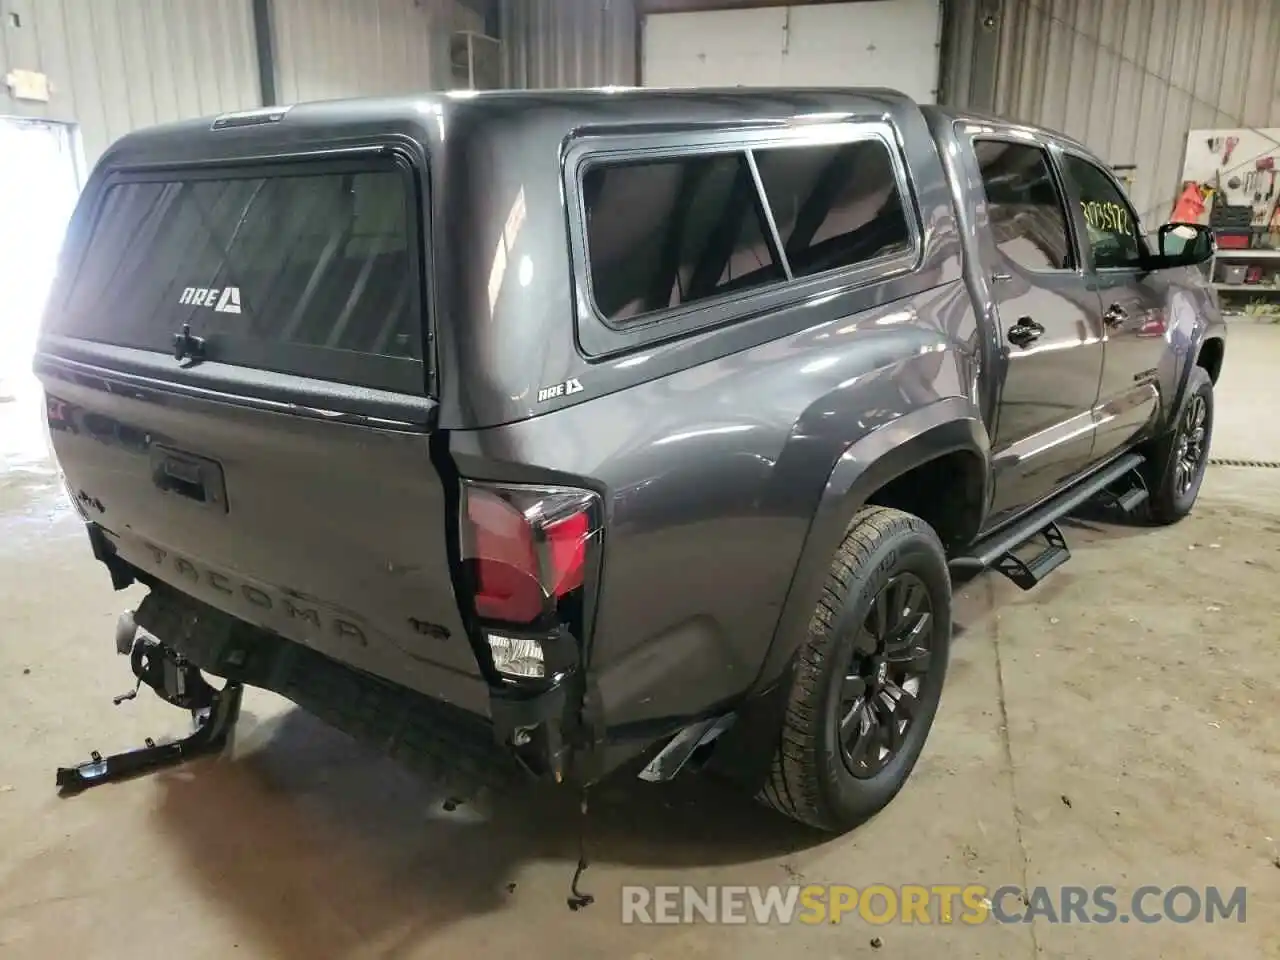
{"x": 868, "y": 677}
{"x": 1182, "y": 457}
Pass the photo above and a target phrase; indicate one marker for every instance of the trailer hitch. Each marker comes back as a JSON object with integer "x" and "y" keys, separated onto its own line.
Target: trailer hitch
{"x": 175, "y": 680}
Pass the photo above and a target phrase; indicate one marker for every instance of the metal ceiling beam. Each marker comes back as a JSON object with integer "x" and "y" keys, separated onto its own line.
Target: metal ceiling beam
{"x": 264, "y": 39}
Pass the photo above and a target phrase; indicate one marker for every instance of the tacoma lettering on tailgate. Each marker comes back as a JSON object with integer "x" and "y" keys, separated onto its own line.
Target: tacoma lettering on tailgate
{"x": 255, "y": 596}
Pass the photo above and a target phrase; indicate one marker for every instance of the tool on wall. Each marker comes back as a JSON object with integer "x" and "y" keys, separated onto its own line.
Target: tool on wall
{"x": 1263, "y": 196}
{"x": 1267, "y": 220}
{"x": 1232, "y": 143}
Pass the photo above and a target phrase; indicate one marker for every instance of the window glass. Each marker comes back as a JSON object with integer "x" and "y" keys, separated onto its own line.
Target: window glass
{"x": 664, "y": 233}
{"x": 1026, "y": 212}
{"x": 1112, "y": 228}
{"x": 835, "y": 205}
{"x": 306, "y": 274}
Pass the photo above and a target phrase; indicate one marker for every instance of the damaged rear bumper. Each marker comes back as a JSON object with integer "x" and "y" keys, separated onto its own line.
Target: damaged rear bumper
{"x": 523, "y": 739}
{"x": 494, "y": 733}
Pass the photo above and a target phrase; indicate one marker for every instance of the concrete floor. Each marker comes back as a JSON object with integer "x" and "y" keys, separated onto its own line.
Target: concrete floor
{"x": 1140, "y": 683}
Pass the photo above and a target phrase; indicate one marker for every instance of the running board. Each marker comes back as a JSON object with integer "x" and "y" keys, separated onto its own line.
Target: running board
{"x": 998, "y": 550}
{"x": 1027, "y": 573}
{"x": 1128, "y": 500}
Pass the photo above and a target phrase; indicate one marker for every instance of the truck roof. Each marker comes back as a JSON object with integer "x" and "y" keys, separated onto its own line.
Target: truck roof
{"x": 963, "y": 115}
{"x": 528, "y": 115}
{"x": 439, "y": 116}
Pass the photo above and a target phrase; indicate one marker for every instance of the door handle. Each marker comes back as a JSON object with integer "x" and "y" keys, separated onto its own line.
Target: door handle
{"x": 1025, "y": 331}
{"x": 1115, "y": 315}
{"x": 182, "y": 477}
{"x": 187, "y": 475}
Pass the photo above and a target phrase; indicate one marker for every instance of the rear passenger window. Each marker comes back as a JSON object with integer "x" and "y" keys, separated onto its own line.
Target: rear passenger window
{"x": 834, "y": 205}
{"x": 1024, "y": 207}
{"x": 665, "y": 233}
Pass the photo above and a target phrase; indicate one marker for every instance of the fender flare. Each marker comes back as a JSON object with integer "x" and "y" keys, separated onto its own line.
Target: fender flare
{"x": 944, "y": 427}
{"x": 1204, "y": 332}
{"x": 1189, "y": 363}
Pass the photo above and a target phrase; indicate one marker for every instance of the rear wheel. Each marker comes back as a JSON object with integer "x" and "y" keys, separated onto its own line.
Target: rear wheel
{"x": 1182, "y": 457}
{"x": 868, "y": 677}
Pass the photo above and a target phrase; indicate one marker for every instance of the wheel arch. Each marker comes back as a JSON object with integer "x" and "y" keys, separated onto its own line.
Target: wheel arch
{"x": 1210, "y": 356}
{"x": 929, "y": 443}
{"x": 1207, "y": 353}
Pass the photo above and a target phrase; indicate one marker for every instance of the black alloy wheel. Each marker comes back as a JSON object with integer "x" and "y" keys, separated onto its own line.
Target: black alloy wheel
{"x": 880, "y": 693}
{"x": 1191, "y": 448}
{"x": 1178, "y": 461}
{"x": 867, "y": 679}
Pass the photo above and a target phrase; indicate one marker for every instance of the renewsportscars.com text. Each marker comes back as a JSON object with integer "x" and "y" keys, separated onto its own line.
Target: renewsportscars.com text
{"x": 973, "y": 904}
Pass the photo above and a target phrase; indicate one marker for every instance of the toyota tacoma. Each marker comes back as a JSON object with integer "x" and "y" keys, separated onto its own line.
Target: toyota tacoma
{"x": 543, "y": 434}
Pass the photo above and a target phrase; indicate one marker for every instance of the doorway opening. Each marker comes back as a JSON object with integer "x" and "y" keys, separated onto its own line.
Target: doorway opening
{"x": 39, "y": 184}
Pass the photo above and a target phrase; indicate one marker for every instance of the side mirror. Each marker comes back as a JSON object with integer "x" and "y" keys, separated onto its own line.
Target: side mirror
{"x": 1184, "y": 245}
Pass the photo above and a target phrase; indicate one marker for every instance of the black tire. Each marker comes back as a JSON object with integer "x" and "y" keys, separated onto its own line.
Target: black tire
{"x": 1179, "y": 460}
{"x": 810, "y": 778}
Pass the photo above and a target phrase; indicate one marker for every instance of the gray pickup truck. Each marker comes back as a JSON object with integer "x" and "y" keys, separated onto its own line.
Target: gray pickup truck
{"x": 550, "y": 433}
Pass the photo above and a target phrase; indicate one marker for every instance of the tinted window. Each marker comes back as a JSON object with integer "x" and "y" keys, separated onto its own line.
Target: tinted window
{"x": 834, "y": 205}
{"x": 307, "y": 274}
{"x": 1109, "y": 220}
{"x": 665, "y": 233}
{"x": 1027, "y": 215}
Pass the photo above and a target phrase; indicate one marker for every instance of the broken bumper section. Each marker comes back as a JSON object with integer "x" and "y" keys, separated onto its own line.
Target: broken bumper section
{"x": 176, "y": 637}
{"x": 175, "y": 680}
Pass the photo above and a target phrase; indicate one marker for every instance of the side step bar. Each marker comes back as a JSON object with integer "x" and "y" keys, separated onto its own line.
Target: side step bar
{"x": 997, "y": 550}
{"x": 1027, "y": 573}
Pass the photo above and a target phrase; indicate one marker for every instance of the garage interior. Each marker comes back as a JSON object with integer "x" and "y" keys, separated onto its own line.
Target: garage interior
{"x": 1117, "y": 725}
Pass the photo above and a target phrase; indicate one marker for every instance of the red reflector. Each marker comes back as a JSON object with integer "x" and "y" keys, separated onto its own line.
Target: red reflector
{"x": 506, "y": 563}
{"x": 517, "y": 567}
{"x": 568, "y": 541}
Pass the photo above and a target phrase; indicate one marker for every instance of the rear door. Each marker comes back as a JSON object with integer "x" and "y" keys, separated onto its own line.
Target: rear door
{"x": 1047, "y": 318}
{"x": 1132, "y": 301}
{"x": 239, "y": 395}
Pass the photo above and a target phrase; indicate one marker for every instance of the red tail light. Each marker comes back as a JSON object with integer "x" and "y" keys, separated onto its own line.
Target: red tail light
{"x": 568, "y": 541}
{"x": 525, "y": 547}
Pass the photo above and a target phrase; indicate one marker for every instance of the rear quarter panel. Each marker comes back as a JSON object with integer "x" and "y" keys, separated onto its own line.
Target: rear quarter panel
{"x": 713, "y": 450}
{"x": 711, "y": 477}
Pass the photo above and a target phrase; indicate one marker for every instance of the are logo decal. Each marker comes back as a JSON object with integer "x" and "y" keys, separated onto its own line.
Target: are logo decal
{"x": 225, "y": 300}
{"x": 566, "y": 389}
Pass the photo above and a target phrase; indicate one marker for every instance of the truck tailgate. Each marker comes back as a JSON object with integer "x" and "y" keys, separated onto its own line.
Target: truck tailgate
{"x": 219, "y": 354}
{"x": 330, "y": 534}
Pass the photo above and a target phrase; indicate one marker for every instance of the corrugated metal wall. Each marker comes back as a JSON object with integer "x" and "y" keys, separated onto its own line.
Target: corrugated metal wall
{"x": 1130, "y": 78}
{"x": 115, "y": 65}
{"x": 343, "y": 48}
{"x": 970, "y": 44}
{"x": 568, "y": 43}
